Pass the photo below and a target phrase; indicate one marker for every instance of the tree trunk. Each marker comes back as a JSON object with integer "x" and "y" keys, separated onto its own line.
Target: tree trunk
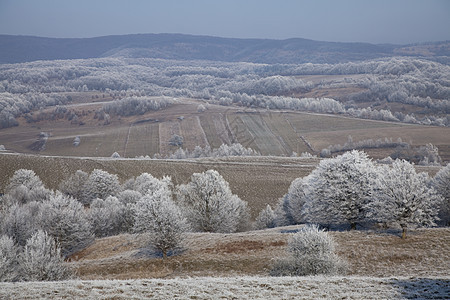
{"x": 404, "y": 233}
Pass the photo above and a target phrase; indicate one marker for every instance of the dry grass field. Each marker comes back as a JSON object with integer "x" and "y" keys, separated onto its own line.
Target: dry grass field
{"x": 235, "y": 266}
{"x": 317, "y": 287}
{"x": 424, "y": 253}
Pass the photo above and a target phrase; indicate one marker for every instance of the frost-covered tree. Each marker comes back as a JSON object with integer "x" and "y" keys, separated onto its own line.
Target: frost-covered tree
{"x": 265, "y": 219}
{"x": 129, "y": 196}
{"x": 311, "y": 252}
{"x": 115, "y": 155}
{"x": 441, "y": 183}
{"x": 147, "y": 184}
{"x": 176, "y": 140}
{"x": 210, "y": 206}
{"x": 24, "y": 186}
{"x": 65, "y": 219}
{"x": 296, "y": 199}
{"x": 21, "y": 221}
{"x": 9, "y": 264}
{"x": 402, "y": 197}
{"x": 74, "y": 186}
{"x": 108, "y": 217}
{"x": 289, "y": 209}
{"x": 100, "y": 184}
{"x": 41, "y": 259}
{"x": 339, "y": 189}
{"x": 159, "y": 216}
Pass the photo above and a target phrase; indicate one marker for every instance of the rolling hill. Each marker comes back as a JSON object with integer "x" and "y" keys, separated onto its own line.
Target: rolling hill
{"x": 14, "y": 49}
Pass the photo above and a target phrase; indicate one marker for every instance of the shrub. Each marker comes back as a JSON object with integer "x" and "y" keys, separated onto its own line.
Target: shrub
{"x": 20, "y": 221}
{"x": 210, "y": 206}
{"x": 41, "y": 259}
{"x": 74, "y": 185}
{"x": 311, "y": 252}
{"x": 64, "y": 218}
{"x": 159, "y": 216}
{"x": 265, "y": 219}
{"x": 100, "y": 184}
{"x": 23, "y": 187}
{"x": 441, "y": 183}
{"x": 9, "y": 268}
{"x": 108, "y": 217}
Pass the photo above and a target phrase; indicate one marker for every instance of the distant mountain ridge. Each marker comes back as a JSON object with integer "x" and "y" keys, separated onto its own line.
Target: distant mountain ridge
{"x": 16, "y": 49}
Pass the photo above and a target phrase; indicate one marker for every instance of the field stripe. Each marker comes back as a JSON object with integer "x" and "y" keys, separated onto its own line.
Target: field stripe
{"x": 193, "y": 134}
{"x": 166, "y": 131}
{"x": 267, "y": 142}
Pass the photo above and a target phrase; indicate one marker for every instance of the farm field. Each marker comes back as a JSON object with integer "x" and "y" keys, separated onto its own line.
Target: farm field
{"x": 278, "y": 133}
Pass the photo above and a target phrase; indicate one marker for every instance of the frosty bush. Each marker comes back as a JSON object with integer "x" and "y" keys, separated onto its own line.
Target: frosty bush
{"x": 265, "y": 219}
{"x": 147, "y": 184}
{"x": 311, "y": 252}
{"x": 296, "y": 198}
{"x": 176, "y": 140}
{"x": 159, "y": 216}
{"x": 74, "y": 185}
{"x": 20, "y": 221}
{"x": 210, "y": 206}
{"x": 129, "y": 196}
{"x": 100, "y": 184}
{"x": 41, "y": 259}
{"x": 441, "y": 183}
{"x": 339, "y": 189}
{"x": 24, "y": 186}
{"x": 9, "y": 265}
{"x": 402, "y": 197}
{"x": 108, "y": 217}
{"x": 115, "y": 155}
{"x": 64, "y": 218}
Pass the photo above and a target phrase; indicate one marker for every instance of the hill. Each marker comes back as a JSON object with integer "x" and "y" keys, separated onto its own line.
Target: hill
{"x": 231, "y": 266}
{"x": 269, "y": 132}
{"x": 14, "y": 49}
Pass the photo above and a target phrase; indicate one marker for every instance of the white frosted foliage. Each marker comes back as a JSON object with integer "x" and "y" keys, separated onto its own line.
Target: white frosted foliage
{"x": 210, "y": 206}
{"x": 159, "y": 216}
{"x": 41, "y": 259}
{"x": 402, "y": 197}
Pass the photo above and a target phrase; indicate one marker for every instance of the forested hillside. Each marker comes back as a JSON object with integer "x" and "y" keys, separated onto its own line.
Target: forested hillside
{"x": 15, "y": 49}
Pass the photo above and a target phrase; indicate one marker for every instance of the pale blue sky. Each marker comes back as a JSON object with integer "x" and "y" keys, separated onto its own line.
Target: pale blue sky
{"x": 374, "y": 21}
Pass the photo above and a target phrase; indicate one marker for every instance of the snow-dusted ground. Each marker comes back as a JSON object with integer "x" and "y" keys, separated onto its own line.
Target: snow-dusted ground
{"x": 316, "y": 287}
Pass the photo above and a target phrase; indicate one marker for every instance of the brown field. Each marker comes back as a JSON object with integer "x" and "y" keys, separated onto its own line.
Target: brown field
{"x": 423, "y": 253}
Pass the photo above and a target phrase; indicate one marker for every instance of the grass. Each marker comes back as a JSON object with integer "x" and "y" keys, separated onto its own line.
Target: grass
{"x": 235, "y": 266}
{"x": 425, "y": 253}
{"x": 234, "y": 288}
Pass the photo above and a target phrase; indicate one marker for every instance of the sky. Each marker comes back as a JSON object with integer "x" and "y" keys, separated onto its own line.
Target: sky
{"x": 373, "y": 21}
